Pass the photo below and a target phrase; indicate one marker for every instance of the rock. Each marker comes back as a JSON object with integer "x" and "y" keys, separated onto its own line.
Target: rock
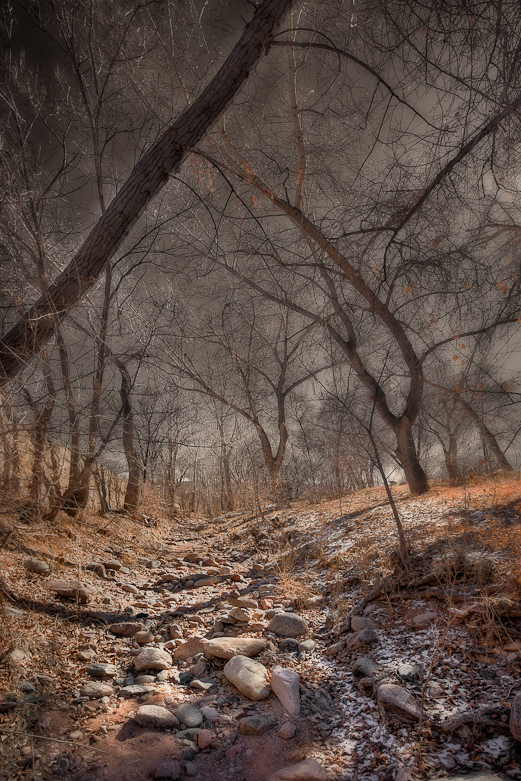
{"x": 248, "y": 676}
{"x": 285, "y": 684}
{"x": 315, "y": 600}
{"x": 208, "y": 581}
{"x": 308, "y": 770}
{"x": 154, "y": 564}
{"x": 361, "y": 622}
{"x": 408, "y": 672}
{"x": 359, "y": 639}
{"x": 227, "y": 647}
{"x": 27, "y": 687}
{"x": 152, "y": 659}
{"x": 143, "y": 637}
{"x": 204, "y": 738}
{"x": 38, "y": 566}
{"x": 130, "y": 588}
{"x": 289, "y": 646}
{"x": 187, "y": 734}
{"x": 306, "y": 646}
{"x": 333, "y": 650}
{"x": 287, "y": 730}
{"x": 98, "y": 669}
{"x": 424, "y": 620}
{"x": 515, "y": 717}
{"x": 364, "y": 667}
{"x": 245, "y": 602}
{"x": 257, "y": 725}
{"x": 242, "y": 613}
{"x": 191, "y": 769}
{"x": 195, "y": 645}
{"x": 71, "y": 589}
{"x": 188, "y": 714}
{"x": 112, "y": 564}
{"x": 210, "y": 714}
{"x": 85, "y": 654}
{"x": 397, "y": 700}
{"x": 134, "y": 689}
{"x": 96, "y": 567}
{"x": 288, "y": 625}
{"x": 169, "y": 769}
{"x": 202, "y": 685}
{"x": 156, "y": 717}
{"x": 193, "y": 557}
{"x": 126, "y": 628}
{"x": 321, "y": 702}
{"x": 96, "y": 689}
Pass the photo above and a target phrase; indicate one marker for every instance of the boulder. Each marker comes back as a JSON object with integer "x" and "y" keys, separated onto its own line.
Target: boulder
{"x": 397, "y": 700}
{"x": 38, "y": 566}
{"x": 285, "y": 684}
{"x": 288, "y": 625}
{"x": 227, "y": 647}
{"x": 152, "y": 659}
{"x": 195, "y": 645}
{"x": 364, "y": 667}
{"x": 360, "y": 639}
{"x": 308, "y": 770}
{"x": 188, "y": 714}
{"x": 248, "y": 676}
{"x": 156, "y": 717}
{"x": 360, "y": 622}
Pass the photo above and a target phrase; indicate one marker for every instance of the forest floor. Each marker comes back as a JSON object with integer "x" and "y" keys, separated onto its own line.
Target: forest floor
{"x": 446, "y": 642}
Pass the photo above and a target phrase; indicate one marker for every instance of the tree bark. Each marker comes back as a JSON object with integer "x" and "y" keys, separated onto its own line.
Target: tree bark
{"x": 503, "y": 462}
{"x": 133, "y": 491}
{"x": 408, "y": 458}
{"x": 148, "y": 177}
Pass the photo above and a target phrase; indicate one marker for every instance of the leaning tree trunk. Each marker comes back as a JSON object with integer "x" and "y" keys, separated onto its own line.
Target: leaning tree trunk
{"x": 149, "y": 176}
{"x": 488, "y": 437}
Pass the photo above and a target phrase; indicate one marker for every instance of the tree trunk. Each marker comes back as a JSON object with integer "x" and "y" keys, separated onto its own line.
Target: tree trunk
{"x": 488, "y": 437}
{"x": 408, "y": 458}
{"x": 133, "y": 491}
{"x": 451, "y": 461}
{"x": 149, "y": 176}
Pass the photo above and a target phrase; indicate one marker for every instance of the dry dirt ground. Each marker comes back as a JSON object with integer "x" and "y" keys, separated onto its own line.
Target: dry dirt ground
{"x": 448, "y": 632}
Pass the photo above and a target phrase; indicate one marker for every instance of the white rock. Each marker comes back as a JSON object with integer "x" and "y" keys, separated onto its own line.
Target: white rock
{"x": 285, "y": 683}
{"x": 248, "y": 676}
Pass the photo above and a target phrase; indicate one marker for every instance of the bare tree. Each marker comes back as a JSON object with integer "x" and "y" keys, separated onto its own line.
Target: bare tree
{"x": 148, "y": 177}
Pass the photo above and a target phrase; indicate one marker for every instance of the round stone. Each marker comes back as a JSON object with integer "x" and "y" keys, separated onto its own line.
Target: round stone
{"x": 156, "y": 717}
{"x": 288, "y": 625}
